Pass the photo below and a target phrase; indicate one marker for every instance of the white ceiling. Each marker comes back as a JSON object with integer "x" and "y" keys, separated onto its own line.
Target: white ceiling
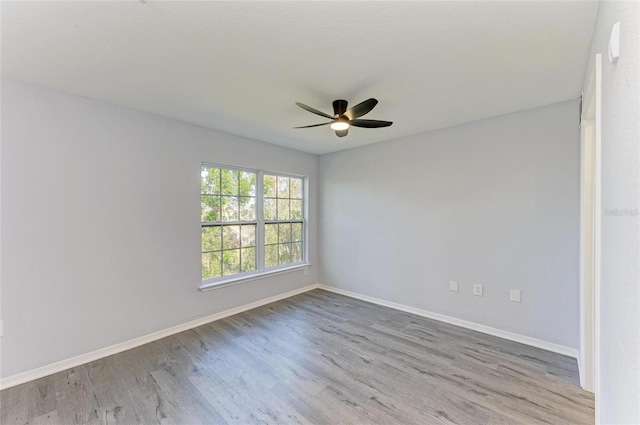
{"x": 240, "y": 66}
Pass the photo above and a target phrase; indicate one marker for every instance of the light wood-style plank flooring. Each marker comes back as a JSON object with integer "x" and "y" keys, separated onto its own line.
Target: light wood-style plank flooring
{"x": 316, "y": 358}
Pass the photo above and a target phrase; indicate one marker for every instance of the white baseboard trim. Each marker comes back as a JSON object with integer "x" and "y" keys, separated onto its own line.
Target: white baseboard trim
{"x": 581, "y": 372}
{"x": 56, "y": 367}
{"x": 534, "y": 342}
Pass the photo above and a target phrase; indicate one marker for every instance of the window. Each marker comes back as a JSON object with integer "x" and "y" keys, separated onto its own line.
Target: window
{"x": 229, "y": 222}
{"x": 253, "y": 222}
{"x": 283, "y": 223}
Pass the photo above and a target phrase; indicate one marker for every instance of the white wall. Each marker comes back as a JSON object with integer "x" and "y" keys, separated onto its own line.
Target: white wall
{"x": 101, "y": 225}
{"x": 619, "y": 395}
{"x": 494, "y": 202}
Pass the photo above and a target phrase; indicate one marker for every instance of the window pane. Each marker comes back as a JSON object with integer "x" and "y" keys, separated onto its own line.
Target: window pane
{"x": 284, "y": 231}
{"x": 248, "y": 262}
{"x": 283, "y": 187}
{"x": 283, "y": 209}
{"x": 296, "y": 252}
{"x": 247, "y": 209}
{"x": 296, "y": 210}
{"x": 270, "y": 256}
{"x": 296, "y": 229}
{"x": 230, "y": 262}
{"x": 271, "y": 234}
{"x": 269, "y": 209}
{"x": 210, "y": 180}
{"x": 247, "y": 184}
{"x": 211, "y": 265}
{"x": 284, "y": 253}
{"x": 212, "y": 238}
{"x": 295, "y": 188}
{"x": 248, "y": 235}
{"x": 229, "y": 180}
{"x": 229, "y": 208}
{"x": 209, "y": 208}
{"x": 269, "y": 184}
{"x": 231, "y": 237}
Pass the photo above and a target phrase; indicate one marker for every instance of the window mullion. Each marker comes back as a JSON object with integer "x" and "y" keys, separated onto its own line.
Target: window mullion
{"x": 260, "y": 229}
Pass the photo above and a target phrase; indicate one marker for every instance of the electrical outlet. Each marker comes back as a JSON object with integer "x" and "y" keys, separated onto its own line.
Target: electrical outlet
{"x": 306, "y": 271}
{"x": 453, "y": 285}
{"x": 1, "y": 327}
{"x": 477, "y": 290}
{"x": 514, "y": 295}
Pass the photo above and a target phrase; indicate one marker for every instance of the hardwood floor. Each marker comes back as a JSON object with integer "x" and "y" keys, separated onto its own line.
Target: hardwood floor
{"x": 316, "y": 358}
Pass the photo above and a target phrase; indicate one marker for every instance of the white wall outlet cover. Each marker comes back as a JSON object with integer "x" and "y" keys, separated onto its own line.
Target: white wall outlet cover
{"x": 514, "y": 295}
{"x": 306, "y": 271}
{"x": 453, "y": 285}
{"x": 477, "y": 290}
{"x": 614, "y": 43}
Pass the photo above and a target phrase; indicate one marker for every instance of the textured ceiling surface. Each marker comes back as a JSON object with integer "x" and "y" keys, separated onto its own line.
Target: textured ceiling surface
{"x": 240, "y": 66}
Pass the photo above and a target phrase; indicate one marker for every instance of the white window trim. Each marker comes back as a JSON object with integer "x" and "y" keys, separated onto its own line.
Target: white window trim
{"x": 246, "y": 277}
{"x": 261, "y": 272}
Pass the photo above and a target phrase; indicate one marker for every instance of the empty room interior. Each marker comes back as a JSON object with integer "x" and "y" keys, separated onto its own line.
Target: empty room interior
{"x": 320, "y": 212}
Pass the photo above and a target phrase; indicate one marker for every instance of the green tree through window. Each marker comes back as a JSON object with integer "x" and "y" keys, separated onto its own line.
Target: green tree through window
{"x": 283, "y": 219}
{"x": 251, "y": 221}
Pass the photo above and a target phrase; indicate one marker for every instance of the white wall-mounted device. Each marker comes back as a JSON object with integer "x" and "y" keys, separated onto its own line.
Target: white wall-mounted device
{"x": 453, "y": 285}
{"x": 614, "y": 43}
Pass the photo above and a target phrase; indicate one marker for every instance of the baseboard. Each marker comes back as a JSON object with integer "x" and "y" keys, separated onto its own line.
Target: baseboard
{"x": 581, "y": 372}
{"x": 587, "y": 385}
{"x": 534, "y": 342}
{"x": 56, "y": 367}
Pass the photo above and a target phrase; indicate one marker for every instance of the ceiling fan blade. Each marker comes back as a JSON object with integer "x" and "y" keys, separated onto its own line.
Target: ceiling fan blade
{"x": 313, "y": 125}
{"x": 361, "y": 108}
{"x": 342, "y": 133}
{"x": 370, "y": 123}
{"x": 313, "y": 111}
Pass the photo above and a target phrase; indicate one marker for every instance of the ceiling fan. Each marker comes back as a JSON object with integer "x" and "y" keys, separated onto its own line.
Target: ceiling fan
{"x": 342, "y": 118}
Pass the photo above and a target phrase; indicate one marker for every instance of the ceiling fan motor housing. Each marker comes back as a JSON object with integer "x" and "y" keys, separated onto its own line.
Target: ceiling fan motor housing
{"x": 339, "y": 107}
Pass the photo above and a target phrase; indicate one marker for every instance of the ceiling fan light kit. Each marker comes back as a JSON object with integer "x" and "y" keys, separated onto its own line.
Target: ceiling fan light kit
{"x": 340, "y": 125}
{"x": 342, "y": 118}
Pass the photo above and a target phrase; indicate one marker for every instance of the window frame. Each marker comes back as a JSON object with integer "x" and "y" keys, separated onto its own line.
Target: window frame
{"x": 260, "y": 240}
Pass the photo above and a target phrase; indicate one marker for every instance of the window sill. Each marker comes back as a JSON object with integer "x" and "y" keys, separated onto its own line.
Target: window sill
{"x": 234, "y": 281}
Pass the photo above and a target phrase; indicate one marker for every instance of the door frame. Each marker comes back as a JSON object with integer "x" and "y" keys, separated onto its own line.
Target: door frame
{"x": 590, "y": 232}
